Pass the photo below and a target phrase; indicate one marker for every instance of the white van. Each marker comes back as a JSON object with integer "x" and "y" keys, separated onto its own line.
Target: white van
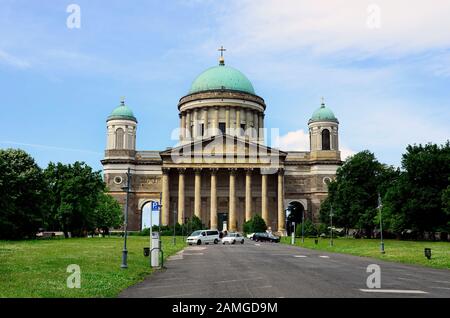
{"x": 203, "y": 237}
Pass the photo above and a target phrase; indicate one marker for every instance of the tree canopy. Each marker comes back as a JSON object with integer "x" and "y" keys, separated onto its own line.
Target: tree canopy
{"x": 22, "y": 195}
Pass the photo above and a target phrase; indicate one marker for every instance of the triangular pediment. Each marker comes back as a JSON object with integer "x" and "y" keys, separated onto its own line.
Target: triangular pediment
{"x": 222, "y": 149}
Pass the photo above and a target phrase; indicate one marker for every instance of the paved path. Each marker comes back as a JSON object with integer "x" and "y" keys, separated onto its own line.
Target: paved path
{"x": 277, "y": 270}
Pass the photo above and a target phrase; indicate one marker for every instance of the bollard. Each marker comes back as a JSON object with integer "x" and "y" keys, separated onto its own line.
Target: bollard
{"x": 427, "y": 252}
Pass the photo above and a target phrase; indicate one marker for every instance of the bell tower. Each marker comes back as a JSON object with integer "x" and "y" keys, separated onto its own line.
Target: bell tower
{"x": 121, "y": 132}
{"x": 324, "y": 134}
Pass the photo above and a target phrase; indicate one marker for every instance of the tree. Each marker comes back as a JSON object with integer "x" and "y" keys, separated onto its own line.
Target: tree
{"x": 255, "y": 225}
{"x": 22, "y": 195}
{"x": 416, "y": 201}
{"x": 354, "y": 193}
{"x": 74, "y": 192}
{"x": 108, "y": 213}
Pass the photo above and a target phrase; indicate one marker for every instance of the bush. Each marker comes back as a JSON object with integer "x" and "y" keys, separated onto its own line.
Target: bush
{"x": 255, "y": 225}
{"x": 310, "y": 229}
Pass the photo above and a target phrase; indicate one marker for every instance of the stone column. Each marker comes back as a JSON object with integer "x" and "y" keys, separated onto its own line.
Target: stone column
{"x": 227, "y": 119}
{"x": 281, "y": 213}
{"x": 165, "y": 197}
{"x": 182, "y": 124}
{"x": 195, "y": 130}
{"x": 255, "y": 126}
{"x": 213, "y": 216}
{"x": 261, "y": 128}
{"x": 248, "y": 194}
{"x": 238, "y": 121}
{"x": 188, "y": 125}
{"x": 232, "y": 208}
{"x": 216, "y": 120}
{"x": 181, "y": 213}
{"x": 233, "y": 123}
{"x": 198, "y": 193}
{"x": 205, "y": 120}
{"x": 264, "y": 198}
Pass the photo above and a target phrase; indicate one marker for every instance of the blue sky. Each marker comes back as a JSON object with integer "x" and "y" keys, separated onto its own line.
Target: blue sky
{"x": 389, "y": 85}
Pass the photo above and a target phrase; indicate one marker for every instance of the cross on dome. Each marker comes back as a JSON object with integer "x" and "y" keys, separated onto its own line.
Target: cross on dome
{"x": 221, "y": 59}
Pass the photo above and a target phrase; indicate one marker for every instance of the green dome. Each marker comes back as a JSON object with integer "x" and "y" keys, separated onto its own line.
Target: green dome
{"x": 122, "y": 112}
{"x": 323, "y": 114}
{"x": 222, "y": 77}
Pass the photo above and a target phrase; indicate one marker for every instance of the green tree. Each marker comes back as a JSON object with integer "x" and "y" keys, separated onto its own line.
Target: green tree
{"x": 74, "y": 192}
{"x": 22, "y": 195}
{"x": 108, "y": 213}
{"x": 416, "y": 200}
{"x": 353, "y": 194}
{"x": 255, "y": 225}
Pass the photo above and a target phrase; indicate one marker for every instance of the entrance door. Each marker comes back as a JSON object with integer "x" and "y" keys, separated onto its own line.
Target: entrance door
{"x": 221, "y": 217}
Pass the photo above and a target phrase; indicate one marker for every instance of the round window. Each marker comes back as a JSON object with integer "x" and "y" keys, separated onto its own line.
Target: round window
{"x": 326, "y": 180}
{"x": 118, "y": 180}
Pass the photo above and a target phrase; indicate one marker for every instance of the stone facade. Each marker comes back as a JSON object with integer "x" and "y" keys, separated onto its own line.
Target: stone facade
{"x": 220, "y": 170}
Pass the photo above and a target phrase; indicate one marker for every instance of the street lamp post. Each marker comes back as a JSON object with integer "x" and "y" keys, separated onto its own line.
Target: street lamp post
{"x": 331, "y": 226}
{"x": 380, "y": 206}
{"x": 174, "y": 226}
{"x": 125, "y": 251}
{"x": 303, "y": 226}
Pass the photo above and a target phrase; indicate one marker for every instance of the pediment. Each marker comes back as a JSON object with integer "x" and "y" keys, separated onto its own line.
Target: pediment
{"x": 222, "y": 149}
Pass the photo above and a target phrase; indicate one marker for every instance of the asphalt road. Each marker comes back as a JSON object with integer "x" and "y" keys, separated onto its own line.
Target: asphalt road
{"x": 276, "y": 270}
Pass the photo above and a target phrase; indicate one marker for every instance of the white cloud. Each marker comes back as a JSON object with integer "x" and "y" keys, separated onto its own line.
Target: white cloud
{"x": 299, "y": 141}
{"x": 13, "y": 60}
{"x": 325, "y": 26}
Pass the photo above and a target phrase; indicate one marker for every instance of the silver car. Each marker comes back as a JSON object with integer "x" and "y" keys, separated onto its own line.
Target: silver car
{"x": 233, "y": 238}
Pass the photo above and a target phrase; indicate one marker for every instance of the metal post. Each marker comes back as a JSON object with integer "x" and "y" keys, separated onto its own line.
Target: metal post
{"x": 151, "y": 231}
{"x": 303, "y": 227}
{"x": 174, "y": 225}
{"x": 125, "y": 234}
{"x": 380, "y": 206}
{"x": 331, "y": 226}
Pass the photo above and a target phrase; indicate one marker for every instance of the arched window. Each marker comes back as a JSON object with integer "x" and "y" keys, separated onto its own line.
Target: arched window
{"x": 325, "y": 139}
{"x": 119, "y": 138}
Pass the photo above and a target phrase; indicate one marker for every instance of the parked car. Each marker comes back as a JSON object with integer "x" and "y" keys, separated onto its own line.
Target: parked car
{"x": 233, "y": 238}
{"x": 266, "y": 237}
{"x": 250, "y": 236}
{"x": 203, "y": 237}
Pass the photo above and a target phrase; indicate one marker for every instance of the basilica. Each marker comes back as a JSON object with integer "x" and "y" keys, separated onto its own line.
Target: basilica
{"x": 221, "y": 169}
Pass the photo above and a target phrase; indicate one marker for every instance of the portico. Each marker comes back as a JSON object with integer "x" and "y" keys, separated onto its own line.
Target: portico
{"x": 245, "y": 192}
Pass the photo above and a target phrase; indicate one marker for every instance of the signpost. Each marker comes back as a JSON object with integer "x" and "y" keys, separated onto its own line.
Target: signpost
{"x": 380, "y": 206}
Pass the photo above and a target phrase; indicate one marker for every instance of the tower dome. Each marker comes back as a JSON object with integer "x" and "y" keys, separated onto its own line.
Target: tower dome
{"x": 323, "y": 113}
{"x": 122, "y": 112}
{"x": 222, "y": 77}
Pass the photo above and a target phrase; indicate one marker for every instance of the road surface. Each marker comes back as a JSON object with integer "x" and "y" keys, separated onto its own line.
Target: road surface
{"x": 276, "y": 270}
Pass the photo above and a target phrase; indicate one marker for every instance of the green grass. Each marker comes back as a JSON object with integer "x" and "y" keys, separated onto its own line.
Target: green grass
{"x": 408, "y": 252}
{"x": 37, "y": 268}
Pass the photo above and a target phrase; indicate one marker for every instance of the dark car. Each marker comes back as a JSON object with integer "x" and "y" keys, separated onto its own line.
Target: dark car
{"x": 265, "y": 237}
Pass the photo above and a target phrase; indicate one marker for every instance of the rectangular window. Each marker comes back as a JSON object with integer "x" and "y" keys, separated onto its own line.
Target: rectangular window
{"x": 222, "y": 128}
{"x": 203, "y": 129}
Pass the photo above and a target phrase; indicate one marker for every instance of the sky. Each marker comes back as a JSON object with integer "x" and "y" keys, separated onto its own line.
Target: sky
{"x": 383, "y": 67}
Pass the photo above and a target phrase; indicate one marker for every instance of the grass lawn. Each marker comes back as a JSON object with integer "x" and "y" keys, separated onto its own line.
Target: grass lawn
{"x": 409, "y": 252}
{"x": 37, "y": 268}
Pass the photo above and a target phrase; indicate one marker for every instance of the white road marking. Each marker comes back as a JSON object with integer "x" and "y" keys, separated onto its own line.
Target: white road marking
{"x": 257, "y": 244}
{"x": 393, "y": 291}
{"x": 236, "y": 280}
{"x": 441, "y": 288}
{"x": 324, "y": 256}
{"x": 300, "y": 256}
{"x": 192, "y": 253}
{"x": 441, "y": 281}
{"x": 195, "y": 248}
